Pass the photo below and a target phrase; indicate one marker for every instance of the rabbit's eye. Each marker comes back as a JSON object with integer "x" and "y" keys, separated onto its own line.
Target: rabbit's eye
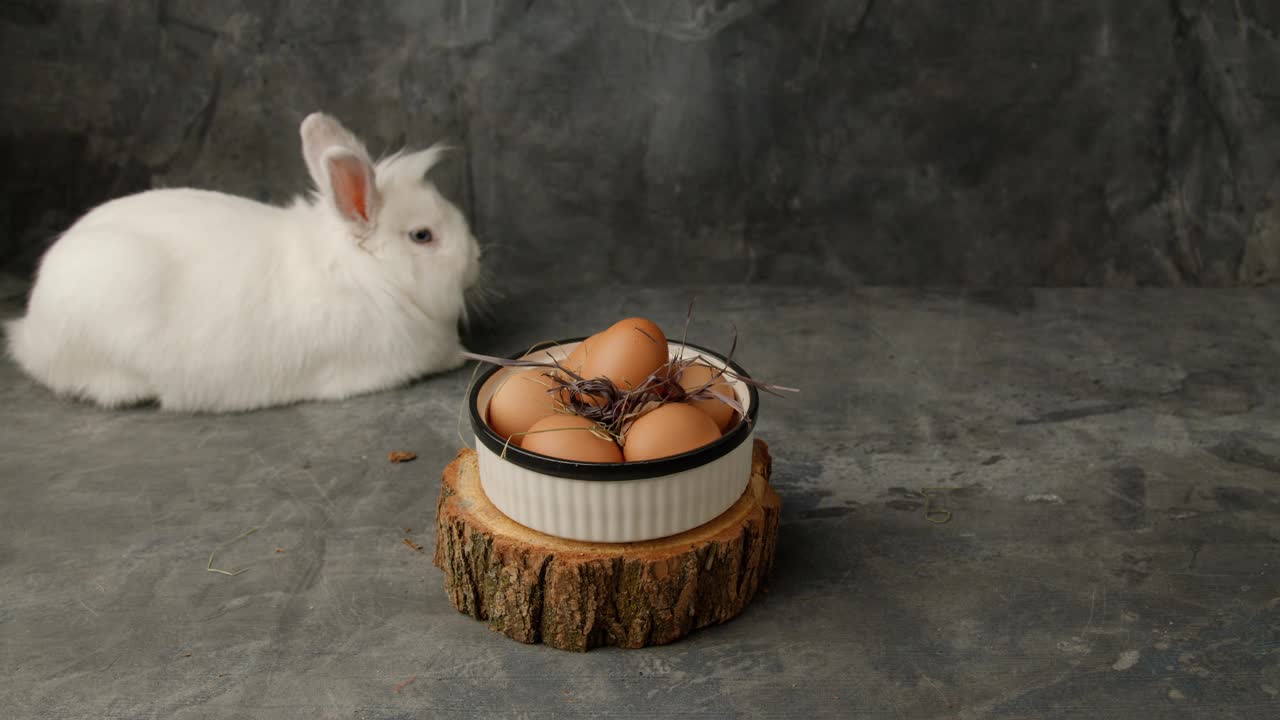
{"x": 422, "y": 236}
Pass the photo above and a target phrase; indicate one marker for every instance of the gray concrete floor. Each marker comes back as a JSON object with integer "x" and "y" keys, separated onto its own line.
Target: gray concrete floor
{"x": 1110, "y": 460}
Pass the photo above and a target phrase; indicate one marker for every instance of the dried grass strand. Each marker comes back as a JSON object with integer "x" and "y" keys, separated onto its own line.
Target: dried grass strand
{"x": 209, "y": 567}
{"x": 597, "y": 431}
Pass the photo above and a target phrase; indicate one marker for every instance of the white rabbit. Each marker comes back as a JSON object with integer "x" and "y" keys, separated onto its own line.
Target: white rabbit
{"x": 209, "y": 302}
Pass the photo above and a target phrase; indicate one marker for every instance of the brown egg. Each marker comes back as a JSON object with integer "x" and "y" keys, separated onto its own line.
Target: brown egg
{"x": 667, "y": 430}
{"x": 520, "y": 401}
{"x": 579, "y": 355}
{"x": 569, "y": 437}
{"x": 627, "y": 353}
{"x": 697, "y": 375}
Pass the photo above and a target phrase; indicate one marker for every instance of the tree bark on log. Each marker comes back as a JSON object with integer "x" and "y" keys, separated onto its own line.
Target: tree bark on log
{"x": 576, "y": 595}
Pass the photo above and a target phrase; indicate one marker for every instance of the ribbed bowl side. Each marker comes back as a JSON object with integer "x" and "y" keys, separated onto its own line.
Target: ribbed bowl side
{"x": 615, "y": 511}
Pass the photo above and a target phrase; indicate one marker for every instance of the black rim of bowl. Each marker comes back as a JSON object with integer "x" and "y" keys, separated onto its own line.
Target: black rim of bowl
{"x": 606, "y": 472}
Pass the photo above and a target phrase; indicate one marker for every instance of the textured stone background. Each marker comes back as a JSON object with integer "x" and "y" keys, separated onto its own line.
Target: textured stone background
{"x": 1005, "y": 143}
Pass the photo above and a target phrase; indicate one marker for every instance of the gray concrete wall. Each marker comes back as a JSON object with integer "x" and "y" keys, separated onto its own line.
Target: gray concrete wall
{"x": 863, "y": 141}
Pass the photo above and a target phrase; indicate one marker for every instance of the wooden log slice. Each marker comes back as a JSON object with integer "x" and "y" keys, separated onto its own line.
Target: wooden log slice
{"x": 575, "y": 595}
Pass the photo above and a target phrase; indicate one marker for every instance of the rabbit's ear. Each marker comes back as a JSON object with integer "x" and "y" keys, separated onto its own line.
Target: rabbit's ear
{"x": 351, "y": 187}
{"x": 320, "y": 134}
{"x": 418, "y": 164}
{"x": 410, "y": 168}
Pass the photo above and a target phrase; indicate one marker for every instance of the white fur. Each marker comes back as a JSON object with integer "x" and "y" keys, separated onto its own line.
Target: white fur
{"x": 210, "y": 302}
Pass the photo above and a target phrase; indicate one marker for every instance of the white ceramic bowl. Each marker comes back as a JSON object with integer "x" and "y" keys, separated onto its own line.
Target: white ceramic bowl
{"x": 613, "y": 502}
